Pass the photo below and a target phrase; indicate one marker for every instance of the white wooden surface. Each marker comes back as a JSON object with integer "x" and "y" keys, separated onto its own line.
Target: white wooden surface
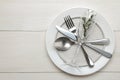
{"x": 23, "y": 24}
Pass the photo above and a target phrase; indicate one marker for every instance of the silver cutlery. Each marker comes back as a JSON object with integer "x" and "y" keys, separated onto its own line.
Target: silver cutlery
{"x": 88, "y": 59}
{"x": 102, "y": 52}
{"x": 63, "y": 43}
{"x": 72, "y": 28}
{"x": 70, "y": 25}
{"x": 66, "y": 33}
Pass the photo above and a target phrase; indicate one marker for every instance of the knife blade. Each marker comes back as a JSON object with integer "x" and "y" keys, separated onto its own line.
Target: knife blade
{"x": 66, "y": 33}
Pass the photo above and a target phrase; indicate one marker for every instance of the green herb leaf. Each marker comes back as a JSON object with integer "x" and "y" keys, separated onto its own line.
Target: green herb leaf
{"x": 87, "y": 24}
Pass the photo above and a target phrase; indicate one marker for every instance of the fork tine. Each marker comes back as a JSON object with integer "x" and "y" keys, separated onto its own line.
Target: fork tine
{"x": 71, "y": 21}
{"x": 66, "y": 22}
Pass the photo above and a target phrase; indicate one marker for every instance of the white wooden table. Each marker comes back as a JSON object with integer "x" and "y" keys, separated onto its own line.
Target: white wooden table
{"x": 23, "y": 24}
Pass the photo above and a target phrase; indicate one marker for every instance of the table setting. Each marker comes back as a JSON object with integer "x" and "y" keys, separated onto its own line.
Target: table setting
{"x": 80, "y": 41}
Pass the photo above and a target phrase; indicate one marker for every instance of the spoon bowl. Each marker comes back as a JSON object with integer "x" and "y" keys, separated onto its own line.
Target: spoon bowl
{"x": 63, "y": 44}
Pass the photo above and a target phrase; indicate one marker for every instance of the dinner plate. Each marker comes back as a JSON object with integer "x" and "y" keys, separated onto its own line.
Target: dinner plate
{"x": 61, "y": 58}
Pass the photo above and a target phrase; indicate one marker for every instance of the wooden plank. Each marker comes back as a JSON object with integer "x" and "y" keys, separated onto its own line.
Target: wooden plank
{"x": 58, "y": 76}
{"x": 26, "y": 52}
{"x": 38, "y": 15}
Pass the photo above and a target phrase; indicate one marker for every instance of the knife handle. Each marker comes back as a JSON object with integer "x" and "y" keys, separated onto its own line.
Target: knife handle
{"x": 88, "y": 59}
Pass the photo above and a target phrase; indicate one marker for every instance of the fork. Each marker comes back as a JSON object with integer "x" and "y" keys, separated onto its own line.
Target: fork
{"x": 71, "y": 27}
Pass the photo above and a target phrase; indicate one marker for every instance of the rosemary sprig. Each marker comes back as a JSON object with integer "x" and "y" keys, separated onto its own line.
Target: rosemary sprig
{"x": 87, "y": 23}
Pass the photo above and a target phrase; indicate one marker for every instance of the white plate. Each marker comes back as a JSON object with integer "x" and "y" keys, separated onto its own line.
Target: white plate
{"x": 54, "y": 54}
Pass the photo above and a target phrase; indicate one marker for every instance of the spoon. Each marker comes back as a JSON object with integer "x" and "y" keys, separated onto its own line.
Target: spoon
{"x": 63, "y": 43}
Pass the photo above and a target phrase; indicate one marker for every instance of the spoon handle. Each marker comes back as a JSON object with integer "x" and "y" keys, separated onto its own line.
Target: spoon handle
{"x": 102, "y": 52}
{"x": 88, "y": 59}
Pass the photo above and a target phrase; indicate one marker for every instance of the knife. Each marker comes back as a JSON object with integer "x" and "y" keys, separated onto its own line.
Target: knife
{"x": 66, "y": 33}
